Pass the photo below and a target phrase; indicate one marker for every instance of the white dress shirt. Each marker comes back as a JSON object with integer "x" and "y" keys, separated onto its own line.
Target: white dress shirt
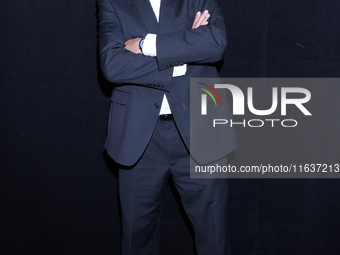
{"x": 149, "y": 49}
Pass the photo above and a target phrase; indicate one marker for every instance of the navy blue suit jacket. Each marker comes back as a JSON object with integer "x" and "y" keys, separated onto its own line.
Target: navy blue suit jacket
{"x": 140, "y": 81}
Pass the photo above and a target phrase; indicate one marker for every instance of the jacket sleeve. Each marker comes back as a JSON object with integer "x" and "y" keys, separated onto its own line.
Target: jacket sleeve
{"x": 121, "y": 66}
{"x": 205, "y": 44}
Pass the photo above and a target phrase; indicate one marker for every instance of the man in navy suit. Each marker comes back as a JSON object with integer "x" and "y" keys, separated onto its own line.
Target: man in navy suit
{"x": 149, "y": 49}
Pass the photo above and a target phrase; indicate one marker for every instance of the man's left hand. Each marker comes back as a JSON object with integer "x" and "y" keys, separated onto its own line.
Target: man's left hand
{"x": 133, "y": 45}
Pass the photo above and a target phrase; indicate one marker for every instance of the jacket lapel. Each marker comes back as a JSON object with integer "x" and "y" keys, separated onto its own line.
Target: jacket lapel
{"x": 166, "y": 15}
{"x": 146, "y": 15}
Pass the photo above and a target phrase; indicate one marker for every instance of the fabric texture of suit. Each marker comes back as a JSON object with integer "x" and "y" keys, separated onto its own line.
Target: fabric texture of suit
{"x": 140, "y": 81}
{"x": 155, "y": 150}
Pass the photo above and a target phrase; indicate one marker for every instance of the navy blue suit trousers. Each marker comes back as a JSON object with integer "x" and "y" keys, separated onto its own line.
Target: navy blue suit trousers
{"x": 141, "y": 191}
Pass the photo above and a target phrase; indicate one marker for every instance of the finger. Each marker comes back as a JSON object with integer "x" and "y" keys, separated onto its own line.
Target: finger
{"x": 197, "y": 16}
{"x": 203, "y": 18}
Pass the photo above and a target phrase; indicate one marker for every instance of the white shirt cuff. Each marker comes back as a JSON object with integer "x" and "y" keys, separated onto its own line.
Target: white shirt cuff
{"x": 179, "y": 70}
{"x": 149, "y": 45}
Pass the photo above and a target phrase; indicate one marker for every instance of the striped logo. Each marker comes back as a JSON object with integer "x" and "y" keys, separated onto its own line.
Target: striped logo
{"x": 204, "y": 97}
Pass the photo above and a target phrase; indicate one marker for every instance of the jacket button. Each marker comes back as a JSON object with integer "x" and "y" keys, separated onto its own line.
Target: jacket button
{"x": 157, "y": 105}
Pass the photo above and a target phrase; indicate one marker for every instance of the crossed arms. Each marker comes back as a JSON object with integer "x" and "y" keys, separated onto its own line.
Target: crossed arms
{"x": 203, "y": 43}
{"x": 200, "y": 20}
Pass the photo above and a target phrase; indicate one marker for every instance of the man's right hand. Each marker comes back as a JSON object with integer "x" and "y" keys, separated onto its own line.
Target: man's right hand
{"x": 201, "y": 19}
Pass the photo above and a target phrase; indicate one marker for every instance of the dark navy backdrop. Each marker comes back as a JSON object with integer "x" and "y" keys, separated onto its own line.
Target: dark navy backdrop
{"x": 59, "y": 188}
